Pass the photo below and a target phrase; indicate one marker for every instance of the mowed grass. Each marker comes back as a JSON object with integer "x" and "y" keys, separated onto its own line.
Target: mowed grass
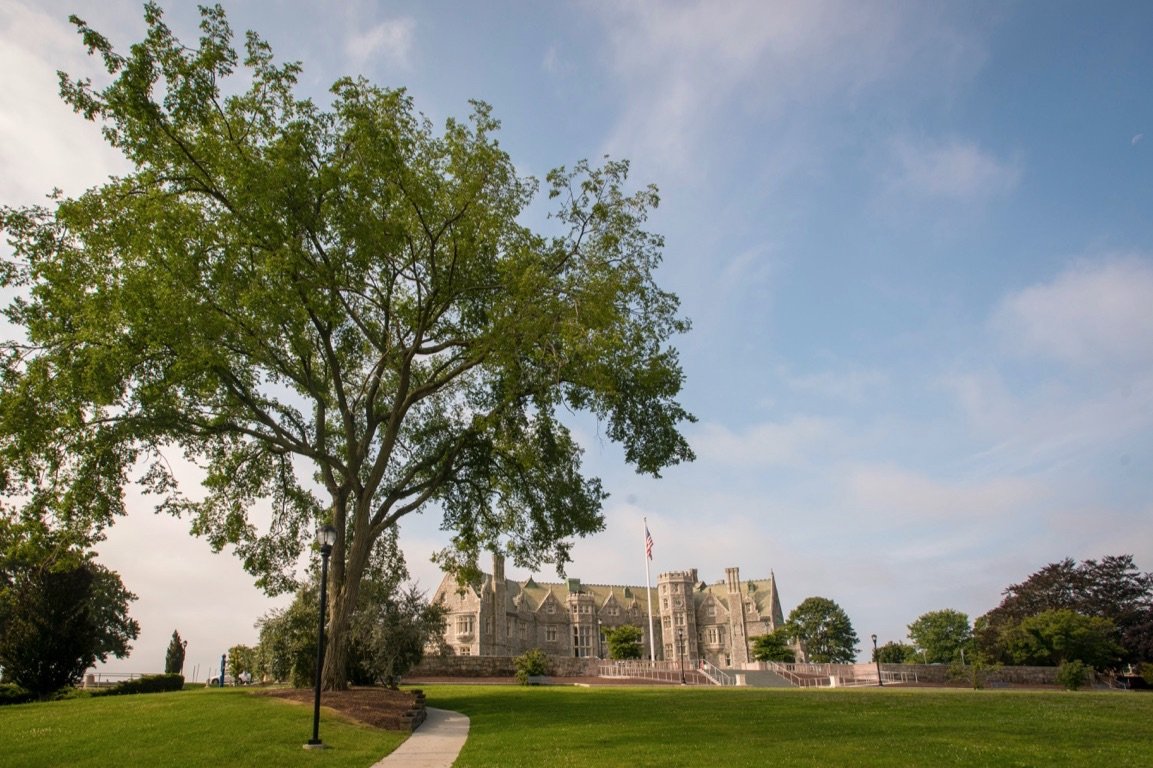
{"x": 563, "y": 727}
{"x": 230, "y": 727}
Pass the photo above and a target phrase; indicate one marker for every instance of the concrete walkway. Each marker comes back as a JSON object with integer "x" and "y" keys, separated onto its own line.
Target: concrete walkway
{"x": 435, "y": 744}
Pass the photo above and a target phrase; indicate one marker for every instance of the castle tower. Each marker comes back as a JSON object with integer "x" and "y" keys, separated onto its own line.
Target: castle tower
{"x": 498, "y": 609}
{"x": 738, "y": 630}
{"x": 679, "y": 616}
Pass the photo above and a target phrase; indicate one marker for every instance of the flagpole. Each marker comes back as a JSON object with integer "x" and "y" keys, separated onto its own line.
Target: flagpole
{"x": 649, "y": 591}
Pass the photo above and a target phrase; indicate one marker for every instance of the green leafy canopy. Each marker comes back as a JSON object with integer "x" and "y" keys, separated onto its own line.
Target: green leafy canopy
{"x": 334, "y": 312}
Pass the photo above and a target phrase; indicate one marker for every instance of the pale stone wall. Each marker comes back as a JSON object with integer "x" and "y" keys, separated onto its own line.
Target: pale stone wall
{"x": 498, "y": 666}
{"x": 939, "y": 674}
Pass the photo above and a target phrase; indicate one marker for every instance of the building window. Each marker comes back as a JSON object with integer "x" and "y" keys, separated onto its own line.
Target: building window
{"x": 550, "y": 633}
{"x": 464, "y": 625}
{"x": 465, "y": 650}
{"x": 713, "y": 635}
{"x": 551, "y": 609}
{"x": 523, "y": 631}
{"x": 668, "y": 621}
{"x": 582, "y": 641}
{"x": 665, "y": 603}
{"x": 711, "y": 610}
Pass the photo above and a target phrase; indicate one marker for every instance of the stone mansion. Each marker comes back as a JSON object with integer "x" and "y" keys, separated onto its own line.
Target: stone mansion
{"x": 494, "y": 616}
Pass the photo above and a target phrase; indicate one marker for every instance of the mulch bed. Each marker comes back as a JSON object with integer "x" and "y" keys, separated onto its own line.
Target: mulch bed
{"x": 378, "y": 707}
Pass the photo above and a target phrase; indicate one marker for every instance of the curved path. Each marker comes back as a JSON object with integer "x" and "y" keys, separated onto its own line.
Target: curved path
{"x": 435, "y": 744}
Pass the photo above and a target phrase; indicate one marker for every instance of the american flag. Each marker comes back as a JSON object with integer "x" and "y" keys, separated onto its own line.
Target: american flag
{"x": 648, "y": 542}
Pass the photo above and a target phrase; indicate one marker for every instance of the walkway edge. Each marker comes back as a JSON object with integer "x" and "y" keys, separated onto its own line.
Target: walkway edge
{"x": 435, "y": 744}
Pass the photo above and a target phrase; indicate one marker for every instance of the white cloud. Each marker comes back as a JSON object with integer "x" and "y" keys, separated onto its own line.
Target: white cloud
{"x": 1095, "y": 313}
{"x": 43, "y": 144}
{"x": 852, "y": 386}
{"x": 390, "y": 40}
{"x": 690, "y": 70}
{"x": 954, "y": 170}
{"x": 895, "y": 494}
{"x": 762, "y": 445}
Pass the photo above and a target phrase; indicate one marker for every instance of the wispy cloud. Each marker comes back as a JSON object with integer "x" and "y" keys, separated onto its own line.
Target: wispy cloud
{"x": 1096, "y": 312}
{"x": 898, "y": 494}
{"x": 765, "y": 444}
{"x": 954, "y": 169}
{"x": 43, "y": 144}
{"x": 687, "y": 69}
{"x": 391, "y": 41}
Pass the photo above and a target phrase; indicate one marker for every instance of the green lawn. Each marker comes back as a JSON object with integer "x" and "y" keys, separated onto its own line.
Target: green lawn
{"x": 213, "y": 727}
{"x": 561, "y": 727}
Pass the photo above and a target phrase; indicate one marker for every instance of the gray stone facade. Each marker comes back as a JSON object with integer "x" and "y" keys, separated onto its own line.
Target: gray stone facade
{"x": 495, "y": 616}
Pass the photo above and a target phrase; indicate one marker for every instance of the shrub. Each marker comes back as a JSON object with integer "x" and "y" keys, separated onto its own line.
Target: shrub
{"x": 531, "y": 664}
{"x": 1072, "y": 674}
{"x": 145, "y": 684}
{"x": 1147, "y": 672}
{"x": 10, "y": 693}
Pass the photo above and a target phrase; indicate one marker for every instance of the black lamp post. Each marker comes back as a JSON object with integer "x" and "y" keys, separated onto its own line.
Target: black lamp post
{"x": 877, "y": 659}
{"x": 325, "y": 537}
{"x": 681, "y": 656}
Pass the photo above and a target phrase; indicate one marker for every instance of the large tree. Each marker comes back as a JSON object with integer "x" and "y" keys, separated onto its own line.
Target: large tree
{"x": 1111, "y": 588}
{"x": 774, "y": 647}
{"x": 337, "y": 313}
{"x": 60, "y": 610}
{"x": 824, "y": 631}
{"x": 1059, "y": 636}
{"x": 940, "y": 637}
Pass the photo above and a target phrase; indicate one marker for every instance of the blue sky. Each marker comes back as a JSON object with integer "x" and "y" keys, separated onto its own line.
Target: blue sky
{"x": 915, "y": 241}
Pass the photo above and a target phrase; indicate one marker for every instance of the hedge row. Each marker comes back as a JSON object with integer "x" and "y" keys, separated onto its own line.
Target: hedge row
{"x": 145, "y": 684}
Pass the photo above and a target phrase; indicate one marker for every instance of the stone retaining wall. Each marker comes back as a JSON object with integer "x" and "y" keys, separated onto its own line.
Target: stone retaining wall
{"x": 564, "y": 666}
{"x": 939, "y": 673}
{"x": 498, "y": 666}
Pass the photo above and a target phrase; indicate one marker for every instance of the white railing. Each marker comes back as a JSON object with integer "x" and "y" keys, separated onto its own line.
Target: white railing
{"x": 715, "y": 676}
{"x": 657, "y": 671}
{"x": 838, "y": 675}
{"x": 105, "y": 679}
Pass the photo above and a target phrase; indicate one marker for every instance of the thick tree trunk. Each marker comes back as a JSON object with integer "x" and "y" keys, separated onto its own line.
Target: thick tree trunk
{"x": 335, "y": 677}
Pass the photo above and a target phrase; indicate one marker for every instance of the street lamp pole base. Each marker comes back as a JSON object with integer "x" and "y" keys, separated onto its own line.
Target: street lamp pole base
{"x": 315, "y": 745}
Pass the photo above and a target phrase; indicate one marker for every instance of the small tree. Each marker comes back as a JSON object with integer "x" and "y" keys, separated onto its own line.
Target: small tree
{"x": 940, "y": 636}
{"x": 391, "y": 632}
{"x": 895, "y": 653}
{"x": 174, "y": 659}
{"x": 774, "y": 647}
{"x": 824, "y": 631}
{"x": 287, "y": 649}
{"x": 241, "y": 662}
{"x": 624, "y": 641}
{"x": 1072, "y": 675}
{"x": 532, "y": 663}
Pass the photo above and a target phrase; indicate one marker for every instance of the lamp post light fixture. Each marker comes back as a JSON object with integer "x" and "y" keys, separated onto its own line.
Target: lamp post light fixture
{"x": 325, "y": 538}
{"x": 877, "y": 659}
{"x": 681, "y": 655}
